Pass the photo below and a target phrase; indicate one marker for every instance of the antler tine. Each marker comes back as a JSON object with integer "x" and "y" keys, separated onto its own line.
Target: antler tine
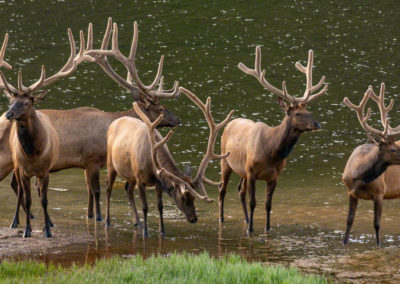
{"x": 8, "y": 88}
{"x": 260, "y": 76}
{"x": 214, "y": 129}
{"x": 384, "y": 110}
{"x": 308, "y": 97}
{"x": 3, "y": 63}
{"x": 360, "y": 114}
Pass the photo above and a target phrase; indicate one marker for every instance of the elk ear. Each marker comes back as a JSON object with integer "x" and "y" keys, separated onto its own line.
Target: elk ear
{"x": 40, "y": 97}
{"x": 188, "y": 170}
{"x": 283, "y": 104}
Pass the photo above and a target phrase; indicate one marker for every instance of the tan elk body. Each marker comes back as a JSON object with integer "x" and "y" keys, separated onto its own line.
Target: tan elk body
{"x": 370, "y": 171}
{"x": 259, "y": 151}
{"x": 137, "y": 152}
{"x": 83, "y": 131}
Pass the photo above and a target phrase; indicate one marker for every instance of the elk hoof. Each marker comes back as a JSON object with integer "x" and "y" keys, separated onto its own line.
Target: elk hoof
{"x": 266, "y": 230}
{"x": 138, "y": 225}
{"x": 161, "y": 234}
{"x": 99, "y": 218}
{"x": 27, "y": 233}
{"x": 14, "y": 223}
{"x": 221, "y": 220}
{"x": 249, "y": 230}
{"x": 145, "y": 234}
{"x": 90, "y": 215}
{"x": 47, "y": 232}
{"x": 108, "y": 223}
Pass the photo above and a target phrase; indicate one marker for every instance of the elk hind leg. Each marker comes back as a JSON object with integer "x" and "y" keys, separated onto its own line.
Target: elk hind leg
{"x": 111, "y": 175}
{"x": 225, "y": 175}
{"x": 143, "y": 197}
{"x": 92, "y": 175}
{"x": 242, "y": 188}
{"x": 251, "y": 187}
{"x": 129, "y": 189}
{"x": 161, "y": 229}
{"x": 24, "y": 182}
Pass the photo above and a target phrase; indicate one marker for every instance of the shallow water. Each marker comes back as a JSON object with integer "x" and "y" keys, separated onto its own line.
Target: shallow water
{"x": 355, "y": 44}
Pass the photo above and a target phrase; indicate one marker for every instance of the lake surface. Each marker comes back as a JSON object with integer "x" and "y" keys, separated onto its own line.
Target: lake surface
{"x": 355, "y": 45}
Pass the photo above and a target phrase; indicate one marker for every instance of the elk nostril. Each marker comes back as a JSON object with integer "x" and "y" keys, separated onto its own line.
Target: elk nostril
{"x": 194, "y": 220}
{"x": 317, "y": 125}
{"x": 9, "y": 114}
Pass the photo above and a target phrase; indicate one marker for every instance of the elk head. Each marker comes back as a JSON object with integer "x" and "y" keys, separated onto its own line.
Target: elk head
{"x": 389, "y": 151}
{"x": 296, "y": 111}
{"x": 147, "y": 96}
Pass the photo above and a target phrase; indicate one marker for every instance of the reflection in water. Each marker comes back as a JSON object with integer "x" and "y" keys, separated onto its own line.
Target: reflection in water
{"x": 203, "y": 41}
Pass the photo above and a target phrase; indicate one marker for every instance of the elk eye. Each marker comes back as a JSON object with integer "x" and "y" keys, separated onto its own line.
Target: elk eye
{"x": 393, "y": 150}
{"x": 26, "y": 103}
{"x": 297, "y": 114}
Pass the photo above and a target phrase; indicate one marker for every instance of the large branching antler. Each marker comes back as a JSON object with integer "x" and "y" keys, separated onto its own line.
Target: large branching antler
{"x": 385, "y": 134}
{"x": 380, "y": 100}
{"x": 310, "y": 88}
{"x": 100, "y": 57}
{"x": 155, "y": 146}
{"x": 69, "y": 67}
{"x": 214, "y": 130}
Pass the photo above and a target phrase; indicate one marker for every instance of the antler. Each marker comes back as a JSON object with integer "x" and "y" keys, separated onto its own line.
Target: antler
{"x": 3, "y": 63}
{"x": 363, "y": 119}
{"x": 214, "y": 129}
{"x": 69, "y": 67}
{"x": 384, "y": 110}
{"x": 159, "y": 169}
{"x": 100, "y": 57}
{"x": 310, "y": 89}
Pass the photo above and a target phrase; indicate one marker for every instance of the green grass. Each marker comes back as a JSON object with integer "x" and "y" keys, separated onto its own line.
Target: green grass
{"x": 175, "y": 268}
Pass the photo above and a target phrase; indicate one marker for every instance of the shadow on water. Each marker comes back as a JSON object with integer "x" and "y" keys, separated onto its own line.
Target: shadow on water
{"x": 355, "y": 44}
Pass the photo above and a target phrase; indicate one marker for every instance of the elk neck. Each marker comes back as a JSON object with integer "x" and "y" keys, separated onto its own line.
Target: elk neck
{"x": 376, "y": 168}
{"x": 284, "y": 138}
{"x": 30, "y": 133}
{"x": 129, "y": 112}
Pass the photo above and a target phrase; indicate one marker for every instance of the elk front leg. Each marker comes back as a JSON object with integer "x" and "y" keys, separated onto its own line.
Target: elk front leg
{"x": 92, "y": 175}
{"x": 242, "y": 188}
{"x": 251, "y": 188}
{"x": 378, "y": 205}
{"x": 353, "y": 202}
{"x": 130, "y": 188}
{"x": 111, "y": 174}
{"x": 225, "y": 175}
{"x": 26, "y": 187}
{"x": 20, "y": 193}
{"x": 142, "y": 194}
{"x": 43, "y": 184}
{"x": 161, "y": 230}
{"x": 268, "y": 202}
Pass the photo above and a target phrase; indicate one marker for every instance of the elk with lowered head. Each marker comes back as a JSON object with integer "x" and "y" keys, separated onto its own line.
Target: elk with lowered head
{"x": 139, "y": 154}
{"x": 259, "y": 151}
{"x": 83, "y": 131}
{"x": 369, "y": 173}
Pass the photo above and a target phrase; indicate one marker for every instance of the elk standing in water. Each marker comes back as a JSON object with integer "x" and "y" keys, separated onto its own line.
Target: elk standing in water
{"x": 138, "y": 153}
{"x": 83, "y": 131}
{"x": 258, "y": 151}
{"x": 368, "y": 173}
{"x": 34, "y": 142}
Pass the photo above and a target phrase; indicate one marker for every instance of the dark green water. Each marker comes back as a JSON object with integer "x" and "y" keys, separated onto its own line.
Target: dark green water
{"x": 355, "y": 44}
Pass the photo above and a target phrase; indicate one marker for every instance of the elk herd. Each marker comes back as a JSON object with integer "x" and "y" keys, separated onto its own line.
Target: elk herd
{"x": 34, "y": 143}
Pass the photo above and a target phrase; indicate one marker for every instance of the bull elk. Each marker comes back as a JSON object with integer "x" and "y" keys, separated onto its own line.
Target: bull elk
{"x": 34, "y": 142}
{"x": 258, "y": 151}
{"x": 83, "y": 131}
{"x": 368, "y": 173}
{"x": 139, "y": 154}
